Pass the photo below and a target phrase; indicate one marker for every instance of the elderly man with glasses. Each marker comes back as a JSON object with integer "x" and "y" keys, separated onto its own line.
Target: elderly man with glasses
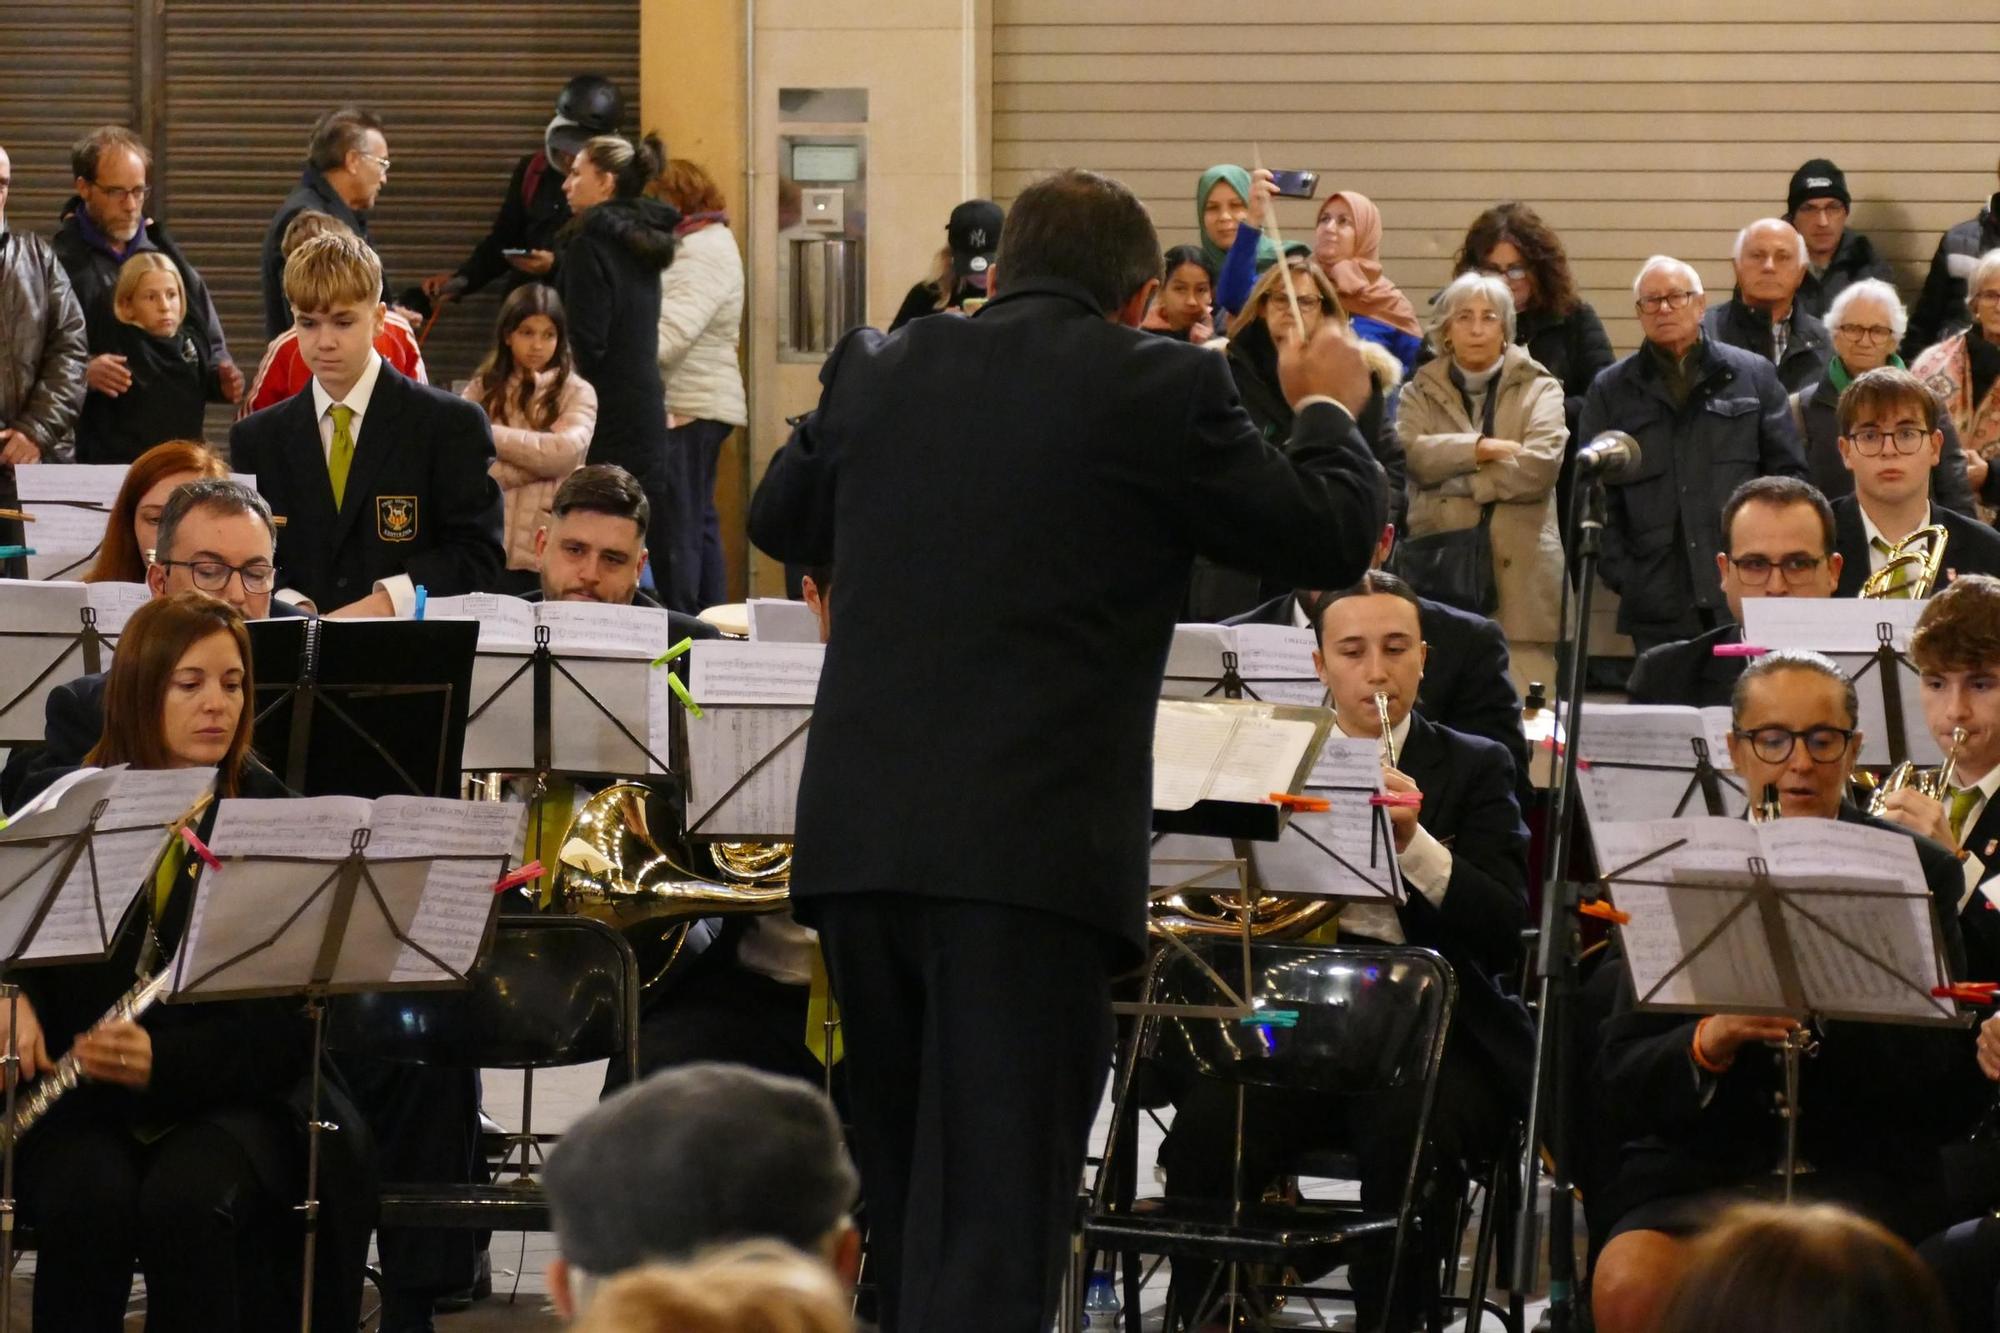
{"x": 1890, "y": 440}
{"x": 103, "y": 225}
{"x": 1708, "y": 417}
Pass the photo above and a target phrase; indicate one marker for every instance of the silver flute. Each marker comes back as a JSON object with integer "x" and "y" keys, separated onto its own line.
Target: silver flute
{"x": 34, "y": 1103}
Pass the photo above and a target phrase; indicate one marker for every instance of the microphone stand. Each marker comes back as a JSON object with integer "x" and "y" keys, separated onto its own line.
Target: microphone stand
{"x": 1549, "y": 1099}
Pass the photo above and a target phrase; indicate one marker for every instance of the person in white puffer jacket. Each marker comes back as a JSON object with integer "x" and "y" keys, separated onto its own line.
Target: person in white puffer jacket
{"x": 701, "y": 320}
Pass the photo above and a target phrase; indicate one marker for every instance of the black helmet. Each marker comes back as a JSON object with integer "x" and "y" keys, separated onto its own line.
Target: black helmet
{"x": 591, "y": 101}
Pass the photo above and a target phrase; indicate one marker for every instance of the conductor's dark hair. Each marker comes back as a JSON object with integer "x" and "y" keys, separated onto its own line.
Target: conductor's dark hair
{"x": 219, "y": 494}
{"x": 1792, "y": 659}
{"x": 1778, "y": 493}
{"x": 1082, "y": 228}
{"x": 339, "y": 132}
{"x": 603, "y": 488}
{"x": 1375, "y": 583}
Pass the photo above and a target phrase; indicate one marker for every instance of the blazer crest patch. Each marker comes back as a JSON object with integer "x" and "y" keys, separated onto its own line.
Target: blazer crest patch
{"x": 396, "y": 518}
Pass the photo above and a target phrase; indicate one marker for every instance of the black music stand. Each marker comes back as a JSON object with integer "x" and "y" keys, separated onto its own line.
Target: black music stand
{"x": 364, "y": 707}
{"x": 294, "y": 885}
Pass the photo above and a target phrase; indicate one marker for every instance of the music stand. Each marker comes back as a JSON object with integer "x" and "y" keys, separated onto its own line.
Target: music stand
{"x": 1643, "y": 741}
{"x": 1867, "y": 639}
{"x": 364, "y": 707}
{"x": 294, "y": 949}
{"x": 51, "y": 633}
{"x": 1780, "y": 942}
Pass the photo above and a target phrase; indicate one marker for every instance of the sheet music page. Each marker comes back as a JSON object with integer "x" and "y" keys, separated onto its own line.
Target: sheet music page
{"x": 1276, "y": 663}
{"x": 1828, "y": 624}
{"x": 583, "y": 737}
{"x": 1345, "y": 851}
{"x": 1810, "y": 852}
{"x": 1734, "y": 969}
{"x": 1638, "y": 762}
{"x": 781, "y": 620}
{"x": 456, "y": 899}
{"x": 1875, "y": 749}
{"x": 1720, "y": 723}
{"x": 1262, "y": 756}
{"x": 723, "y": 745}
{"x": 1866, "y": 956}
{"x": 31, "y": 853}
{"x": 1194, "y": 661}
{"x": 1188, "y": 741}
{"x": 115, "y": 603}
{"x": 43, "y": 609}
{"x": 71, "y": 503}
{"x": 659, "y": 733}
{"x": 602, "y": 628}
{"x": 131, "y": 835}
{"x": 504, "y": 622}
{"x": 730, "y": 671}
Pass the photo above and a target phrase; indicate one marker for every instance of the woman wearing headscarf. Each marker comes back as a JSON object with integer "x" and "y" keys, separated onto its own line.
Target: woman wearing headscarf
{"x": 1236, "y": 250}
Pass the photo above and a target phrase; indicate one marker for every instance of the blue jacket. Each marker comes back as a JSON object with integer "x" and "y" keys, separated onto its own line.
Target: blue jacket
{"x": 1663, "y": 522}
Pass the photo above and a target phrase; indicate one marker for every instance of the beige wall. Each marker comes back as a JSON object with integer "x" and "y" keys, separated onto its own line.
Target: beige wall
{"x": 1633, "y": 129}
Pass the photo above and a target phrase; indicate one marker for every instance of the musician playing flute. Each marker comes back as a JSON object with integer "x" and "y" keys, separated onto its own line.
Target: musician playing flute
{"x": 184, "y": 1147}
{"x": 1463, "y": 854}
{"x": 1689, "y": 1100}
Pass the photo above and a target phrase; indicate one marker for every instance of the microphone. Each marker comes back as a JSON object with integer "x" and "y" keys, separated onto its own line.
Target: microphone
{"x": 1610, "y": 456}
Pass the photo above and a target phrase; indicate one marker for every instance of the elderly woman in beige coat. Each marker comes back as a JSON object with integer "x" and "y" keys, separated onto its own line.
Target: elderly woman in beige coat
{"x": 1483, "y": 424}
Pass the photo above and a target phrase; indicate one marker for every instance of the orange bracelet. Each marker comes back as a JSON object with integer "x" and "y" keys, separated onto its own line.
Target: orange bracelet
{"x": 1694, "y": 1052}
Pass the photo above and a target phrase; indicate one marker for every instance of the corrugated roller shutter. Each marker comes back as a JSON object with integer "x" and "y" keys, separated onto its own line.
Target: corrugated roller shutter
{"x": 465, "y": 91}
{"x": 1633, "y": 131}
{"x": 65, "y": 68}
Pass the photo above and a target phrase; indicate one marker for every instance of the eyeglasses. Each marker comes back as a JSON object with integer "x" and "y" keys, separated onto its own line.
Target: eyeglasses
{"x": 1755, "y": 570}
{"x": 1985, "y": 298}
{"x": 1865, "y": 333}
{"x": 1513, "y": 272}
{"x": 1868, "y": 441}
{"x": 381, "y": 162}
{"x": 1653, "y": 305}
{"x": 1482, "y": 318}
{"x": 122, "y": 195}
{"x": 213, "y": 575}
{"x": 1773, "y": 745}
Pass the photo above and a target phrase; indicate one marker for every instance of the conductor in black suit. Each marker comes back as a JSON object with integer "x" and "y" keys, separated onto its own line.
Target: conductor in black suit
{"x": 1464, "y": 855}
{"x": 1014, "y": 501}
{"x": 1890, "y": 440}
{"x": 382, "y": 481}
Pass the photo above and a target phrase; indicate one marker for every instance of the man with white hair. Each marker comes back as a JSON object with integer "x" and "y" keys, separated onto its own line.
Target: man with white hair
{"x": 1765, "y": 316}
{"x": 1708, "y": 417}
{"x": 1866, "y": 322}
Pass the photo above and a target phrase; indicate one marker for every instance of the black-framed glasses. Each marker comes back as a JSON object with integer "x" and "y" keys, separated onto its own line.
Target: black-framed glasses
{"x": 1868, "y": 441}
{"x": 1773, "y": 745}
{"x": 1675, "y": 300}
{"x": 1755, "y": 570}
{"x": 122, "y": 194}
{"x": 1865, "y": 333}
{"x": 213, "y": 575}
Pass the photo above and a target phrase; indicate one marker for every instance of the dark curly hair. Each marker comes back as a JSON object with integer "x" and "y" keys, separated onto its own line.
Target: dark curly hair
{"x": 1541, "y": 249}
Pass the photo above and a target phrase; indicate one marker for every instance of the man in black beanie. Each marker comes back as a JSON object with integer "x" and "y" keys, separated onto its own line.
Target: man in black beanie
{"x": 693, "y": 1157}
{"x": 1836, "y": 256}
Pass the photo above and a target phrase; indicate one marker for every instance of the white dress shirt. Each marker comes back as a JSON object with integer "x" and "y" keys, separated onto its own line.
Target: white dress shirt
{"x": 402, "y": 591}
{"x": 1982, "y": 860}
{"x": 1425, "y": 863}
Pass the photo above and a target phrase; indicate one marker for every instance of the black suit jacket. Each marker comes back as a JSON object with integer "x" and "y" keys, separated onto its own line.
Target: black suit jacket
{"x": 1466, "y": 685}
{"x": 1013, "y": 502}
{"x": 1469, "y": 805}
{"x": 1880, "y": 1100}
{"x": 419, "y": 500}
{"x": 1687, "y": 671}
{"x": 1971, "y": 547}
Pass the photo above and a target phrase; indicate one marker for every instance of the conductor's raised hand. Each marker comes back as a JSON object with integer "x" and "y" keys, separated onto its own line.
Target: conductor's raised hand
{"x": 1327, "y": 365}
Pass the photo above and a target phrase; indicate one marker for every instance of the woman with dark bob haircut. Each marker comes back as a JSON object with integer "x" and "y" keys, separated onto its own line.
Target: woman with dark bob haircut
{"x": 1819, "y": 1269}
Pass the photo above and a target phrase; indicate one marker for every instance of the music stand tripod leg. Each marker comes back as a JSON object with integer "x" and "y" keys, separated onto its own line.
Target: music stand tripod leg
{"x": 316, "y": 1006}
{"x": 1794, "y": 1048}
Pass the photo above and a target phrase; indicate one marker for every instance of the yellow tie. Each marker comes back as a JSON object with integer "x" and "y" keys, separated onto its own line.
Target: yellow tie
{"x": 1962, "y": 801}
{"x": 1899, "y": 582}
{"x": 822, "y": 1009}
{"x": 171, "y": 864}
{"x": 341, "y": 456}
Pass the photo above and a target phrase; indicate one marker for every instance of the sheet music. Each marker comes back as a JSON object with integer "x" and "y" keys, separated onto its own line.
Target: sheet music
{"x": 1845, "y": 629}
{"x": 71, "y": 503}
{"x": 723, "y": 745}
{"x": 52, "y": 612}
{"x": 101, "y": 888}
{"x": 1897, "y": 933}
{"x": 1307, "y": 858}
{"x": 1188, "y": 740}
{"x": 781, "y": 620}
{"x": 457, "y": 896}
{"x": 114, "y": 604}
{"x": 504, "y": 622}
{"x": 602, "y": 628}
{"x": 728, "y": 671}
{"x": 1221, "y": 752}
{"x": 582, "y": 738}
{"x": 1276, "y": 663}
{"x": 1194, "y": 661}
{"x": 1638, "y": 762}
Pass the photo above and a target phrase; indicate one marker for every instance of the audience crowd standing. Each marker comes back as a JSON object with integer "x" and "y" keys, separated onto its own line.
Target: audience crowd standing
{"x": 1788, "y": 434}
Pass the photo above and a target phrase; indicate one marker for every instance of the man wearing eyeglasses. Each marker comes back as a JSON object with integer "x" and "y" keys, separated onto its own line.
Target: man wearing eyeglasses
{"x": 104, "y": 224}
{"x": 1708, "y": 417}
{"x": 1692, "y": 1097}
{"x": 347, "y": 164}
{"x": 1890, "y": 441}
{"x": 1779, "y": 542}
{"x": 1836, "y": 255}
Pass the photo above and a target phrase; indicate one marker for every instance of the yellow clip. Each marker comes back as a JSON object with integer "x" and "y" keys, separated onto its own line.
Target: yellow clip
{"x": 681, "y": 693}
{"x": 673, "y": 652}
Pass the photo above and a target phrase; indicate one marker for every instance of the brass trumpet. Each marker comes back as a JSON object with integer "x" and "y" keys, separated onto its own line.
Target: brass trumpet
{"x": 1922, "y": 552}
{"x": 1934, "y": 782}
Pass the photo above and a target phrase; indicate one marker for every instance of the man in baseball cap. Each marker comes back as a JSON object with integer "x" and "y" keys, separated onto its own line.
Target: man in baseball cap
{"x": 974, "y": 237}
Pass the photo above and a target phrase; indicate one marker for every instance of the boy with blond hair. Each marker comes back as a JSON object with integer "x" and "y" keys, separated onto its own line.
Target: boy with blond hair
{"x": 382, "y": 481}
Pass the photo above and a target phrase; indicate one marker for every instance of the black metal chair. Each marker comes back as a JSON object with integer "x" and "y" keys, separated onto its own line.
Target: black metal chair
{"x": 1343, "y": 1021}
{"x": 551, "y": 991}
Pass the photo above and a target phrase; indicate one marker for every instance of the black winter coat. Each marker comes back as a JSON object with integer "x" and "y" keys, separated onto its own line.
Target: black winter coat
{"x": 314, "y": 192}
{"x": 1853, "y": 259}
{"x": 1940, "y": 309}
{"x": 610, "y": 284}
{"x": 94, "y": 274}
{"x": 172, "y": 382}
{"x": 1807, "y": 351}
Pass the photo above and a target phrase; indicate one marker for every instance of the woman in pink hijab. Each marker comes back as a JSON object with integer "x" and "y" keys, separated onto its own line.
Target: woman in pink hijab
{"x": 1347, "y": 245}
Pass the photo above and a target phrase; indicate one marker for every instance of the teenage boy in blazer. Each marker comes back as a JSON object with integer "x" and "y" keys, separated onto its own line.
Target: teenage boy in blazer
{"x": 382, "y": 482}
